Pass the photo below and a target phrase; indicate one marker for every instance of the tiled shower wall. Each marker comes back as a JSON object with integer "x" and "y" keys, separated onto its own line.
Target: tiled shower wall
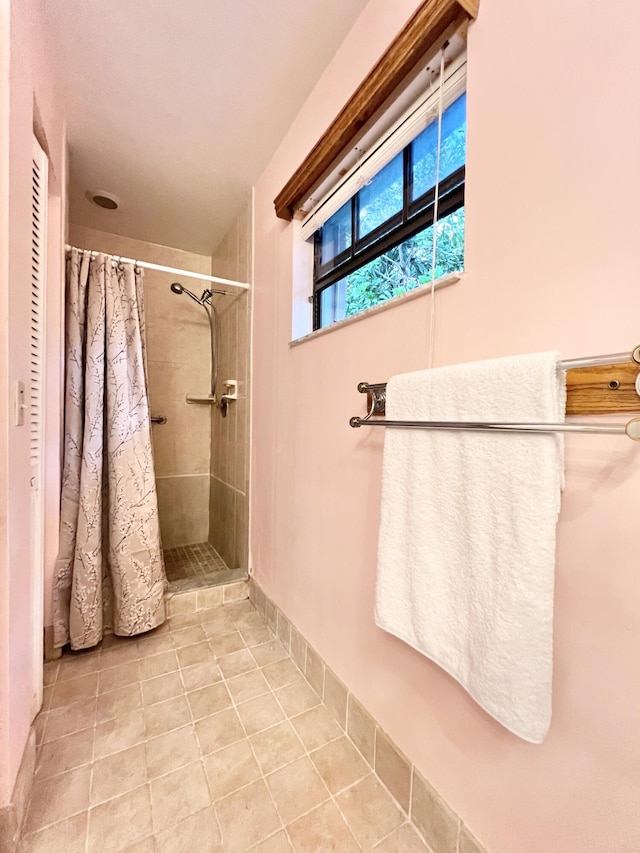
{"x": 178, "y": 360}
{"x": 229, "y": 482}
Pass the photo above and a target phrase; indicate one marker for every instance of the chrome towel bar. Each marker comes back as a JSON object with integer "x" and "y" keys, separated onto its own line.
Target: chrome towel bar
{"x": 631, "y": 429}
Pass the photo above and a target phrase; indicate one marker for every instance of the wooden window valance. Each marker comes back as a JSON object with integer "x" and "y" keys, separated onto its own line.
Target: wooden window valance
{"x": 432, "y": 21}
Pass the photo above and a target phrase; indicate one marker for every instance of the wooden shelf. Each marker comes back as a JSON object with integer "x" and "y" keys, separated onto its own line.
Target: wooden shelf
{"x": 589, "y": 391}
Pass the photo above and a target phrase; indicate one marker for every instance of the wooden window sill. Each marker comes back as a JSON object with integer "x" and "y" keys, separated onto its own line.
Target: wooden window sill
{"x": 416, "y": 293}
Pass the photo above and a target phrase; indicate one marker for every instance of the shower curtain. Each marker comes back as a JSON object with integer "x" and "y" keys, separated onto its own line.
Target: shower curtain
{"x": 110, "y": 571}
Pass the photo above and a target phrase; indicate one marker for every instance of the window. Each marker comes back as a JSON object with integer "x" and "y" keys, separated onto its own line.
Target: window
{"x": 379, "y": 243}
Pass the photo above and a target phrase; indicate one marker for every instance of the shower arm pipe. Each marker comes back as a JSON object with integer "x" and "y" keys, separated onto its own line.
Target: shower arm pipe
{"x": 212, "y": 316}
{"x": 160, "y": 268}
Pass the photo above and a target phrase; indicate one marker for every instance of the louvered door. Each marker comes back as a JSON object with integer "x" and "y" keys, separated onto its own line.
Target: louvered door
{"x": 36, "y": 400}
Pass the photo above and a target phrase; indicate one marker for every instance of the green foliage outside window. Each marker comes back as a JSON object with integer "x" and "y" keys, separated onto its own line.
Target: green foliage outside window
{"x": 408, "y": 265}
{"x": 388, "y": 205}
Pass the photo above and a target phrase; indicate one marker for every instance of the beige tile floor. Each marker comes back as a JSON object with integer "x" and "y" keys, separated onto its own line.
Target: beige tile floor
{"x": 197, "y": 567}
{"x": 200, "y": 737}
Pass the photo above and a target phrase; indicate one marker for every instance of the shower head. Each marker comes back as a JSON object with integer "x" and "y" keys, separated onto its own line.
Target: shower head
{"x": 178, "y": 288}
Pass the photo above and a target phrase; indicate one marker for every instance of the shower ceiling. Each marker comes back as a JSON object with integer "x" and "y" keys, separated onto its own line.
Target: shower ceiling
{"x": 177, "y": 107}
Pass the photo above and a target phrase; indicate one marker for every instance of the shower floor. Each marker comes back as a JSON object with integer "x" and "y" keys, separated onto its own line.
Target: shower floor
{"x": 197, "y": 566}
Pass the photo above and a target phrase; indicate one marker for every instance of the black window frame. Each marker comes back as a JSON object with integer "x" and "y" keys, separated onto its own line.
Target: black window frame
{"x": 416, "y": 215}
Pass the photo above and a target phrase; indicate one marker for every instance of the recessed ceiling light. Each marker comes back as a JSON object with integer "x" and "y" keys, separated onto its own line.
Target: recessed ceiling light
{"x": 103, "y": 199}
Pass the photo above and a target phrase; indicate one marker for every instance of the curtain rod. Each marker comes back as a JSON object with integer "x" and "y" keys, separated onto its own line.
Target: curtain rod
{"x": 174, "y": 270}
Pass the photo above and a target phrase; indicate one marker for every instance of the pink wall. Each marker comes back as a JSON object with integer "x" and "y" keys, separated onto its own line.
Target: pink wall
{"x": 4, "y": 407}
{"x": 552, "y": 184}
{"x": 29, "y": 80}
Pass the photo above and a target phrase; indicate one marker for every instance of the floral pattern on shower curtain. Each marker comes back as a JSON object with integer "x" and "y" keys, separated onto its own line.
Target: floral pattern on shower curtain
{"x": 109, "y": 571}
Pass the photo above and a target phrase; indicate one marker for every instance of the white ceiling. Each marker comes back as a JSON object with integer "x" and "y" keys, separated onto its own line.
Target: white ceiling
{"x": 176, "y": 106}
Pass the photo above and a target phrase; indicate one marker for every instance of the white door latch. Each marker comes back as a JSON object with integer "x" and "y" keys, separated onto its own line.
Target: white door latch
{"x": 19, "y": 404}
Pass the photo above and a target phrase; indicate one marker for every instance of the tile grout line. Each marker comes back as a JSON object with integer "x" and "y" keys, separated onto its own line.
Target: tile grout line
{"x": 406, "y": 813}
{"x": 93, "y": 756}
{"x": 272, "y": 690}
{"x": 253, "y": 752}
{"x": 235, "y": 704}
{"x": 332, "y": 796}
{"x": 200, "y": 750}
{"x": 265, "y": 608}
{"x": 307, "y": 753}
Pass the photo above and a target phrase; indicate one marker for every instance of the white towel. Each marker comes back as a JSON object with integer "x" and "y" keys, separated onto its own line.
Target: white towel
{"x": 467, "y": 532}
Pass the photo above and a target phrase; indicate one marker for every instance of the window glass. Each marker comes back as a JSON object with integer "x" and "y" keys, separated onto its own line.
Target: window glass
{"x": 381, "y": 198}
{"x": 336, "y": 233}
{"x": 453, "y": 148}
{"x": 380, "y": 243}
{"x": 332, "y": 303}
{"x": 402, "y": 268}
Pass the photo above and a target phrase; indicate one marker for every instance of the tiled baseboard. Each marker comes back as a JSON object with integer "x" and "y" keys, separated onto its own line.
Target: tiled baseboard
{"x": 12, "y": 815}
{"x": 436, "y": 822}
{"x": 177, "y": 602}
{"x": 203, "y": 599}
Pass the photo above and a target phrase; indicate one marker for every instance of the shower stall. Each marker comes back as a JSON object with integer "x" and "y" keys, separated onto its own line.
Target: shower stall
{"x": 196, "y": 343}
{"x": 191, "y": 565}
